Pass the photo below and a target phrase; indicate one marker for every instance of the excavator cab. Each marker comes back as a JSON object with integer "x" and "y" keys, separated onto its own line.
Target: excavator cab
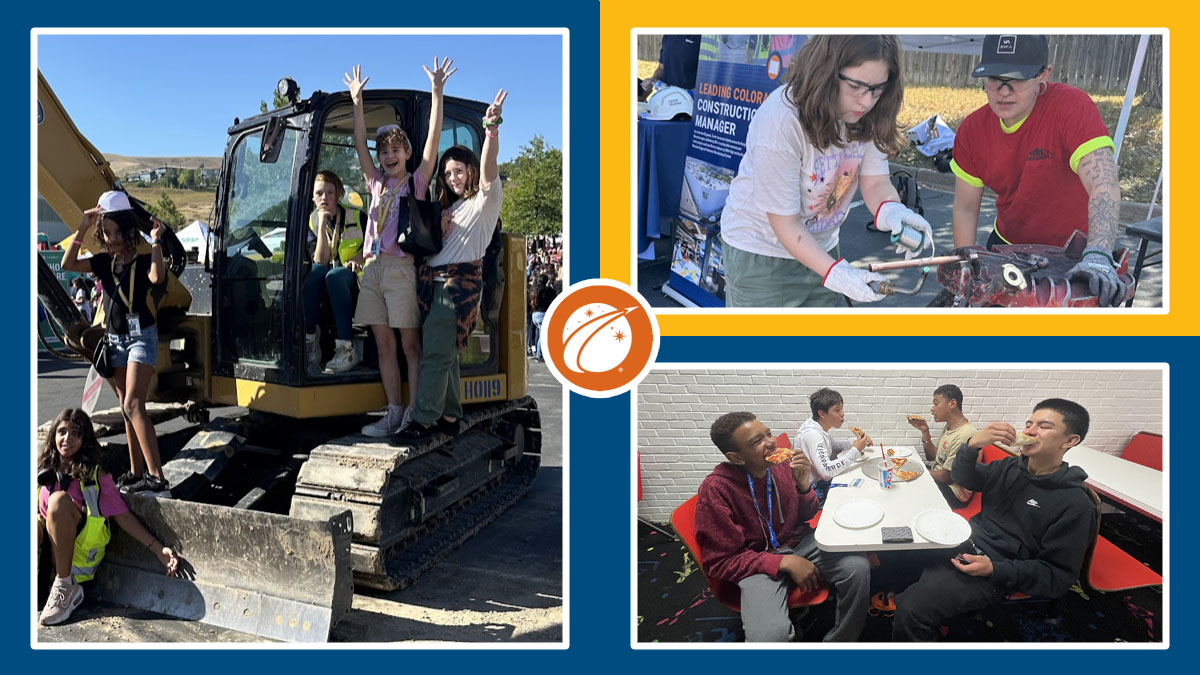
{"x": 263, "y": 254}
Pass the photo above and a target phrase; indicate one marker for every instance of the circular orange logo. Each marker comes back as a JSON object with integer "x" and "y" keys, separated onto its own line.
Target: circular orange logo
{"x": 599, "y": 338}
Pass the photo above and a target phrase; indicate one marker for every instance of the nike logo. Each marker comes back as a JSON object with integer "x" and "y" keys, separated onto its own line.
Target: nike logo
{"x": 1033, "y": 502}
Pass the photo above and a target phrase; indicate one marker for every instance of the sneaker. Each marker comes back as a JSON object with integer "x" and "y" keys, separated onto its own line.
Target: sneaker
{"x": 387, "y": 425}
{"x": 147, "y": 483}
{"x": 415, "y": 431}
{"x": 312, "y": 354}
{"x": 451, "y": 429}
{"x": 344, "y": 357}
{"x": 127, "y": 478}
{"x": 65, "y": 596}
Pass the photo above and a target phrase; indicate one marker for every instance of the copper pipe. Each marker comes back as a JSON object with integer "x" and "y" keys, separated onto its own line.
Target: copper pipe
{"x": 916, "y": 262}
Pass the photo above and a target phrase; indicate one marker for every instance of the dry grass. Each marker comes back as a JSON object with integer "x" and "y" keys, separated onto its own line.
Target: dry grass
{"x": 193, "y": 204}
{"x": 1141, "y": 154}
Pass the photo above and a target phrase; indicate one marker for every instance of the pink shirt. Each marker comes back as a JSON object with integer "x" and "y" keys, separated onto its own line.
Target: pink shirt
{"x": 388, "y": 232}
{"x": 111, "y": 503}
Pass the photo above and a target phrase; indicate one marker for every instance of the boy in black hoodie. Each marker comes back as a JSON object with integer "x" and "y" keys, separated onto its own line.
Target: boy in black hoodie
{"x": 1031, "y": 533}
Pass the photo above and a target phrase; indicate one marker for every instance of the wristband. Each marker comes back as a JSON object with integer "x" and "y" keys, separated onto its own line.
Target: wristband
{"x": 487, "y": 124}
{"x": 493, "y": 133}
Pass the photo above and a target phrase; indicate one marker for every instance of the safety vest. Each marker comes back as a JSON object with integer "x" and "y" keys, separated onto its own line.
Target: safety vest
{"x": 349, "y": 239}
{"x": 95, "y": 535}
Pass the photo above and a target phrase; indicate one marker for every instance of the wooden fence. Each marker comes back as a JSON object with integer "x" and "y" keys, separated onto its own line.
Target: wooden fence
{"x": 1094, "y": 63}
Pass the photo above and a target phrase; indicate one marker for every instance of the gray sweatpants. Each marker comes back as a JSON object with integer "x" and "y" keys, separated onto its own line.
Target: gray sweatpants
{"x": 764, "y": 600}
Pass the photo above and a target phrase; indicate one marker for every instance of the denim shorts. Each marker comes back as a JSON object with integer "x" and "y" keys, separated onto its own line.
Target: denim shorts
{"x": 142, "y": 349}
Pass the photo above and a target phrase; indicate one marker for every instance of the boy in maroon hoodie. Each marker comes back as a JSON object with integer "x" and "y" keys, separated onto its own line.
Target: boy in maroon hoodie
{"x": 752, "y": 530}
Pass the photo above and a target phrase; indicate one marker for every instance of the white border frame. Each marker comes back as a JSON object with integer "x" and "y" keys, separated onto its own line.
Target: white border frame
{"x": 1164, "y": 368}
{"x": 565, "y": 34}
{"x": 860, "y": 310}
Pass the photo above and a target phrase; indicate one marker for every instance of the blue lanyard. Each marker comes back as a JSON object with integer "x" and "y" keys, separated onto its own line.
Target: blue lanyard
{"x": 770, "y": 492}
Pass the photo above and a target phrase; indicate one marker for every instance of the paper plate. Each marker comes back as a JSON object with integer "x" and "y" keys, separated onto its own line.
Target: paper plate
{"x": 857, "y": 514}
{"x": 942, "y": 527}
{"x": 901, "y": 452}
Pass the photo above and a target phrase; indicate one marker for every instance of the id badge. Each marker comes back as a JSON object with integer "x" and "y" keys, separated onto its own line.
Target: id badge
{"x": 375, "y": 247}
{"x": 135, "y": 326}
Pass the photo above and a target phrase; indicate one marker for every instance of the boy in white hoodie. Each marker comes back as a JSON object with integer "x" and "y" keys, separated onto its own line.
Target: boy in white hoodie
{"x": 827, "y": 456}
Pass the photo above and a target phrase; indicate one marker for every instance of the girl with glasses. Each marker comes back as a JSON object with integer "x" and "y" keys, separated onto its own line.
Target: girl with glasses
{"x": 815, "y": 141}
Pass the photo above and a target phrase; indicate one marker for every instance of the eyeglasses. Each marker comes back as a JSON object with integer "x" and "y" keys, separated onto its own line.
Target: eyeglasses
{"x": 858, "y": 88}
{"x": 997, "y": 84}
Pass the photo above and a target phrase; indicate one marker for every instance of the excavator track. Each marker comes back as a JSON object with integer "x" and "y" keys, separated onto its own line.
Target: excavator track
{"x": 413, "y": 504}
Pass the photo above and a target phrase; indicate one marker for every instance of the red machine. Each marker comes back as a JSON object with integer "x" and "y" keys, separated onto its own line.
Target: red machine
{"x": 1021, "y": 275}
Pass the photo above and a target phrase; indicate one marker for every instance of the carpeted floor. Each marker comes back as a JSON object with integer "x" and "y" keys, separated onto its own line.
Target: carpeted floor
{"x": 675, "y": 605}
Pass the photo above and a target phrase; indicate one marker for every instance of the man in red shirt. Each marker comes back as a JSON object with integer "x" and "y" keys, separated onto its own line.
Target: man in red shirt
{"x": 1044, "y": 150}
{"x": 751, "y": 526}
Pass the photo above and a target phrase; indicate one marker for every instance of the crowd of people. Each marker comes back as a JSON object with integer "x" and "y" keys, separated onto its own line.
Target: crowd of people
{"x": 825, "y": 135}
{"x": 1029, "y": 537}
{"x": 543, "y": 269}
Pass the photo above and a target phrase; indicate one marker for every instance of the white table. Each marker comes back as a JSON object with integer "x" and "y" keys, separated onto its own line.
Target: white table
{"x": 1136, "y": 486}
{"x": 900, "y": 505}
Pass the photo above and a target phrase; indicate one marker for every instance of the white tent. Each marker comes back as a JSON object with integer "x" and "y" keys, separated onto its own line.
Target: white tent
{"x": 197, "y": 236}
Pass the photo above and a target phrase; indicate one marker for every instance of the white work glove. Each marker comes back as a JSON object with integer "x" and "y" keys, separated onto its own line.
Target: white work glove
{"x": 1099, "y": 271}
{"x": 893, "y": 216}
{"x": 851, "y": 282}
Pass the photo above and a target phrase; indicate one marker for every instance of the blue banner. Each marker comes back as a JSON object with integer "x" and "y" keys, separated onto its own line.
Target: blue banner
{"x": 735, "y": 74}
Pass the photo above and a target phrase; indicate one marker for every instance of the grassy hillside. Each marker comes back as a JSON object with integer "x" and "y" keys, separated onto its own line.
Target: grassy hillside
{"x": 193, "y": 204}
{"x": 122, "y": 165}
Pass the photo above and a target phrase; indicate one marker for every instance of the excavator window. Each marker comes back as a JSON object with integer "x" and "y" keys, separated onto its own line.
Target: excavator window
{"x": 254, "y": 242}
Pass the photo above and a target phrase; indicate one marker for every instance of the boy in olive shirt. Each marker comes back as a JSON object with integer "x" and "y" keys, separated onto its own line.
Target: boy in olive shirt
{"x": 947, "y": 409}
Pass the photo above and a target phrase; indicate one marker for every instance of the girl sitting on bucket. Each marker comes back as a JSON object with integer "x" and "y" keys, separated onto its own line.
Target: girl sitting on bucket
{"x": 74, "y": 504}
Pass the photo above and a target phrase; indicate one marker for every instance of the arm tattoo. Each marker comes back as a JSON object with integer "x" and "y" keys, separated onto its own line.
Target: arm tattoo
{"x": 1100, "y": 170}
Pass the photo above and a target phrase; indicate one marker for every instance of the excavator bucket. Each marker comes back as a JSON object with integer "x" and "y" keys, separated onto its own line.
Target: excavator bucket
{"x": 269, "y": 575}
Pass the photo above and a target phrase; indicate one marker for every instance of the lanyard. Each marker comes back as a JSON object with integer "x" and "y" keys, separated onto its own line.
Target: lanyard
{"x": 386, "y": 206}
{"x": 128, "y": 300}
{"x": 770, "y": 492}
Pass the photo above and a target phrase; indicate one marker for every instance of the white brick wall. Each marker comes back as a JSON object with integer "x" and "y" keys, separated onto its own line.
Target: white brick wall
{"x": 675, "y": 409}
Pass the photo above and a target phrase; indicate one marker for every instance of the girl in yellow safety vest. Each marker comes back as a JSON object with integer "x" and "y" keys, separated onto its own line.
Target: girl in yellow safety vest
{"x": 74, "y": 510}
{"x": 336, "y": 245}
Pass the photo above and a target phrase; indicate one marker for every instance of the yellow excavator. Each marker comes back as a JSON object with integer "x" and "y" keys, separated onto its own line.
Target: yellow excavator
{"x": 280, "y": 511}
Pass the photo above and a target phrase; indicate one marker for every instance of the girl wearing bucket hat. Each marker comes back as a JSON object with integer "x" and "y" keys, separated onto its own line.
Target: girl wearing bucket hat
{"x": 129, "y": 272}
{"x": 815, "y": 141}
{"x": 1042, "y": 147}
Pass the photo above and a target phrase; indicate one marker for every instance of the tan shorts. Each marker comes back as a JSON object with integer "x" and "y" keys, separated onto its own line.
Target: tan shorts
{"x": 387, "y": 293}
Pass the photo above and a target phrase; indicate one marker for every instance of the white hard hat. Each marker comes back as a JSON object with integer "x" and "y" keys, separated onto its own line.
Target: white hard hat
{"x": 668, "y": 102}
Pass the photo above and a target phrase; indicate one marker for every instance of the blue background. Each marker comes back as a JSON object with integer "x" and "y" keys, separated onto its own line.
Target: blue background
{"x": 599, "y": 493}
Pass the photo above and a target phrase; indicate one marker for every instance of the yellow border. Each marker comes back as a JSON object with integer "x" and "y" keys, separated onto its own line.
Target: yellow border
{"x": 618, "y": 19}
{"x": 1094, "y": 144}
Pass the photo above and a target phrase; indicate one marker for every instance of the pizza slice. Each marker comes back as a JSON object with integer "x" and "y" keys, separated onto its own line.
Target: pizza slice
{"x": 915, "y": 417}
{"x": 897, "y": 462}
{"x": 858, "y": 433}
{"x": 1022, "y": 439}
{"x": 907, "y": 475}
{"x": 780, "y": 456}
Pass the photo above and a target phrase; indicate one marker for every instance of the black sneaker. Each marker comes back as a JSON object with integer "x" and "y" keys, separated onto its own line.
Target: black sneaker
{"x": 127, "y": 478}
{"x": 415, "y": 431}
{"x": 451, "y": 429}
{"x": 147, "y": 483}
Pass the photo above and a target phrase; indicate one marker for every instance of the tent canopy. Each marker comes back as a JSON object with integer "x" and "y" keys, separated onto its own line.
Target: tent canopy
{"x": 970, "y": 45}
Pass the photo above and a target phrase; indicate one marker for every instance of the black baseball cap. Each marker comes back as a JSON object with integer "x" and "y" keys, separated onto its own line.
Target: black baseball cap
{"x": 1017, "y": 56}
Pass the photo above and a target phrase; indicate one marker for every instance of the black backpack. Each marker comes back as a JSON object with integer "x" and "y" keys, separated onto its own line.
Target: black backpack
{"x": 906, "y": 187}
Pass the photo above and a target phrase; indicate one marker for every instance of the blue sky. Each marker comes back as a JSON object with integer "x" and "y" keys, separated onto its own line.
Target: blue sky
{"x": 175, "y": 95}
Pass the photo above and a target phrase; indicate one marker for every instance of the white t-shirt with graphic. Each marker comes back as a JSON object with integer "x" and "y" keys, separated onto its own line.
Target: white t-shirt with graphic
{"x": 782, "y": 173}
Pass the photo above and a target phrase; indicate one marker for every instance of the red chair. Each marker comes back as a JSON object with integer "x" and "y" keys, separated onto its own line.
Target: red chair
{"x": 783, "y": 442}
{"x": 1144, "y": 448}
{"x": 1112, "y": 569}
{"x": 989, "y": 454}
{"x": 683, "y": 519}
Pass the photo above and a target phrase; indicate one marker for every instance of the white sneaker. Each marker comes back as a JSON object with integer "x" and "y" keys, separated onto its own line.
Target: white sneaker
{"x": 312, "y": 354}
{"x": 344, "y": 357}
{"x": 65, "y": 596}
{"x": 388, "y": 424}
{"x": 407, "y": 419}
